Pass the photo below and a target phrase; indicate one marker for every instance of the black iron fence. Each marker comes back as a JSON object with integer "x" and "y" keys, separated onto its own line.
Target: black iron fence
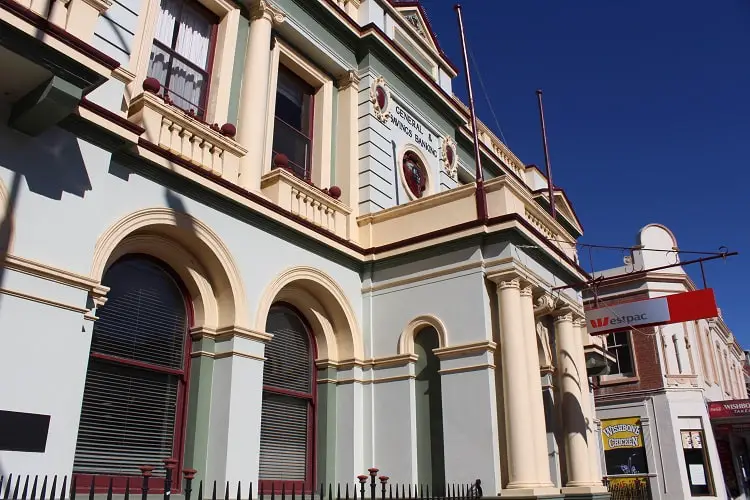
{"x": 366, "y": 487}
{"x": 630, "y": 488}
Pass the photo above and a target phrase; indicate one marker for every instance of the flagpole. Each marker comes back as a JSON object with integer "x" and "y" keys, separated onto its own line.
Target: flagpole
{"x": 480, "y": 195}
{"x": 550, "y": 187}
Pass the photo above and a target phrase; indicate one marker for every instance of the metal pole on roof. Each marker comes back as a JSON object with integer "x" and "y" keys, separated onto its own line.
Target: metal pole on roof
{"x": 481, "y": 196}
{"x": 550, "y": 186}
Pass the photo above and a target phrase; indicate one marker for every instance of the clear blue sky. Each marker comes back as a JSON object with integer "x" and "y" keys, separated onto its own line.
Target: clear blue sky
{"x": 648, "y": 116}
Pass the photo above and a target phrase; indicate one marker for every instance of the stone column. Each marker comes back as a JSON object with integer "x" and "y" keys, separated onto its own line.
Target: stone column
{"x": 253, "y": 114}
{"x": 575, "y": 399}
{"x": 571, "y": 383}
{"x": 518, "y": 426}
{"x": 534, "y": 381}
{"x": 587, "y": 404}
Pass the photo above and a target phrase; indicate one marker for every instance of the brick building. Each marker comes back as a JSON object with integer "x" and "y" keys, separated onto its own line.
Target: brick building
{"x": 652, "y": 405}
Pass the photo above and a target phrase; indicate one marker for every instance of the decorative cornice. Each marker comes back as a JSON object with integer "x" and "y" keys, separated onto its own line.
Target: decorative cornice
{"x": 545, "y": 304}
{"x": 264, "y": 9}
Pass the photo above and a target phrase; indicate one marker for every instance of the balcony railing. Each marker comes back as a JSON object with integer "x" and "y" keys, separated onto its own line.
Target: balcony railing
{"x": 505, "y": 195}
{"x": 295, "y": 145}
{"x": 187, "y": 137}
{"x": 306, "y": 201}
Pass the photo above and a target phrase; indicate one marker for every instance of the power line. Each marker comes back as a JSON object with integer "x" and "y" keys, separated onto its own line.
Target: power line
{"x": 722, "y": 249}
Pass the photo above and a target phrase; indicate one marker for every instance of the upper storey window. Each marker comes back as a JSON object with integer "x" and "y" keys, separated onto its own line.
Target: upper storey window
{"x": 182, "y": 53}
{"x": 619, "y": 345}
{"x": 293, "y": 127}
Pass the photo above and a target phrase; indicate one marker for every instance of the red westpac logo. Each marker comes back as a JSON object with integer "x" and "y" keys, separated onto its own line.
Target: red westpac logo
{"x": 600, "y": 323}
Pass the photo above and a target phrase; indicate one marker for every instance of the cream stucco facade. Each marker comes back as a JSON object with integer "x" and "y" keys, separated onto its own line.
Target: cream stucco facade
{"x": 359, "y": 221}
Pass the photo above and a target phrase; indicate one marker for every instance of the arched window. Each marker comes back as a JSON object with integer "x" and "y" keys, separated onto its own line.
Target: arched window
{"x": 287, "y": 436}
{"x": 133, "y": 410}
{"x": 429, "y": 410}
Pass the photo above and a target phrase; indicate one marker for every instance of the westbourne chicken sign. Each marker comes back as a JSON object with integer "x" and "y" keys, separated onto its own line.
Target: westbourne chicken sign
{"x": 676, "y": 308}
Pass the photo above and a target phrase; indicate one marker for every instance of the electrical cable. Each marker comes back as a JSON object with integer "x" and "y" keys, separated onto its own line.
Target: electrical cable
{"x": 486, "y": 96}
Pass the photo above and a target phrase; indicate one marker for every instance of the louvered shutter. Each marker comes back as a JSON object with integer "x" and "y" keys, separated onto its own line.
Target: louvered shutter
{"x": 285, "y": 435}
{"x": 135, "y": 374}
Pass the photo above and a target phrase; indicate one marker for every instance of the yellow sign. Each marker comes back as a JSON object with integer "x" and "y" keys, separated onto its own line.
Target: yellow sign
{"x": 619, "y": 433}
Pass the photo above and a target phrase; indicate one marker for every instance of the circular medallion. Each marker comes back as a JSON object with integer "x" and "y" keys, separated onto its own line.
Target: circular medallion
{"x": 415, "y": 174}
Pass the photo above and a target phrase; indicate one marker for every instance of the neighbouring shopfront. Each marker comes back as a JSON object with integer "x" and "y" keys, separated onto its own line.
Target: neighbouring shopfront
{"x": 625, "y": 454}
{"x": 731, "y": 423}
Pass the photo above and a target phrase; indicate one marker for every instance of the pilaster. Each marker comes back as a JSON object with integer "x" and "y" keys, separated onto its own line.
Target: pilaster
{"x": 235, "y": 407}
{"x": 347, "y": 142}
{"x": 254, "y": 95}
{"x": 467, "y": 374}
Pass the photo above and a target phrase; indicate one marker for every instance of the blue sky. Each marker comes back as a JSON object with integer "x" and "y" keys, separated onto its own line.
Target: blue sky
{"x": 647, "y": 106}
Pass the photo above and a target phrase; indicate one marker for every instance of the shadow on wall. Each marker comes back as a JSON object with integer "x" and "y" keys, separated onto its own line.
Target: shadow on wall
{"x": 6, "y": 227}
{"x": 175, "y": 202}
{"x": 52, "y": 163}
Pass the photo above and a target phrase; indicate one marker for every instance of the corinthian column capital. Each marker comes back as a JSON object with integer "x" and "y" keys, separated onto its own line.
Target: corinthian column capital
{"x": 564, "y": 317}
{"x": 348, "y": 79}
{"x": 513, "y": 283}
{"x": 527, "y": 291}
{"x": 263, "y": 9}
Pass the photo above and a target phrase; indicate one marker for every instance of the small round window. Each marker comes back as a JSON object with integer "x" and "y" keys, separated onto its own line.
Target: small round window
{"x": 415, "y": 174}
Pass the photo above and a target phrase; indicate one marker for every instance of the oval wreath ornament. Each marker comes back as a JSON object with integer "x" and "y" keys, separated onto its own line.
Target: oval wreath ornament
{"x": 415, "y": 174}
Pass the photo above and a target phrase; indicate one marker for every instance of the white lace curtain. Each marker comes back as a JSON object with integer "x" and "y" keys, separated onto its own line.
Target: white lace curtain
{"x": 186, "y": 85}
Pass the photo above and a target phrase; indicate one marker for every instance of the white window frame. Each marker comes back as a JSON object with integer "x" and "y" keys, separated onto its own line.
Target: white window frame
{"x": 617, "y": 376}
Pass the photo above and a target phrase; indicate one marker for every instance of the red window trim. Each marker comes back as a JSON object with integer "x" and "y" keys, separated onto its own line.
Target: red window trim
{"x": 156, "y": 484}
{"x": 308, "y": 486}
{"x": 311, "y": 137}
{"x": 214, "y": 20}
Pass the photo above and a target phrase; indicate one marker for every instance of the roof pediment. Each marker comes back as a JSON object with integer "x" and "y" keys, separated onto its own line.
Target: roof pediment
{"x": 562, "y": 207}
{"x": 416, "y": 17}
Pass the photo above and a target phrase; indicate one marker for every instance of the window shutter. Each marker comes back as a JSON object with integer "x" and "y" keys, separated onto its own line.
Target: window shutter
{"x": 283, "y": 442}
{"x": 134, "y": 379}
{"x": 287, "y": 400}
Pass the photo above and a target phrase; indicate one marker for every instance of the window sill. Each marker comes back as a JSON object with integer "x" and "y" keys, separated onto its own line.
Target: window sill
{"x": 306, "y": 201}
{"x": 608, "y": 380}
{"x": 174, "y": 130}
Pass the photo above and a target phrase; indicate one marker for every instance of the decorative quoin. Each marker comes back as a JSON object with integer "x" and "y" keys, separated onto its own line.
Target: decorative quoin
{"x": 380, "y": 97}
{"x": 450, "y": 159}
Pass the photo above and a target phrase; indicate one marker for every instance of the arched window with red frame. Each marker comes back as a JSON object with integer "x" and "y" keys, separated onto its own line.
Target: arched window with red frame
{"x": 287, "y": 434}
{"x": 135, "y": 397}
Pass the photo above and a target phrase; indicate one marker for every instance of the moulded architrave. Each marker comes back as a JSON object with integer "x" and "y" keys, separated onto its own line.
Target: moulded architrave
{"x": 332, "y": 299}
{"x": 323, "y": 108}
{"x": 406, "y": 339}
{"x": 200, "y": 241}
{"x": 229, "y": 16}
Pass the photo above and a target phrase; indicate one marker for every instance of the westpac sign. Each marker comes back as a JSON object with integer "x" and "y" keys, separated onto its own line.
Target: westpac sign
{"x": 676, "y": 308}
